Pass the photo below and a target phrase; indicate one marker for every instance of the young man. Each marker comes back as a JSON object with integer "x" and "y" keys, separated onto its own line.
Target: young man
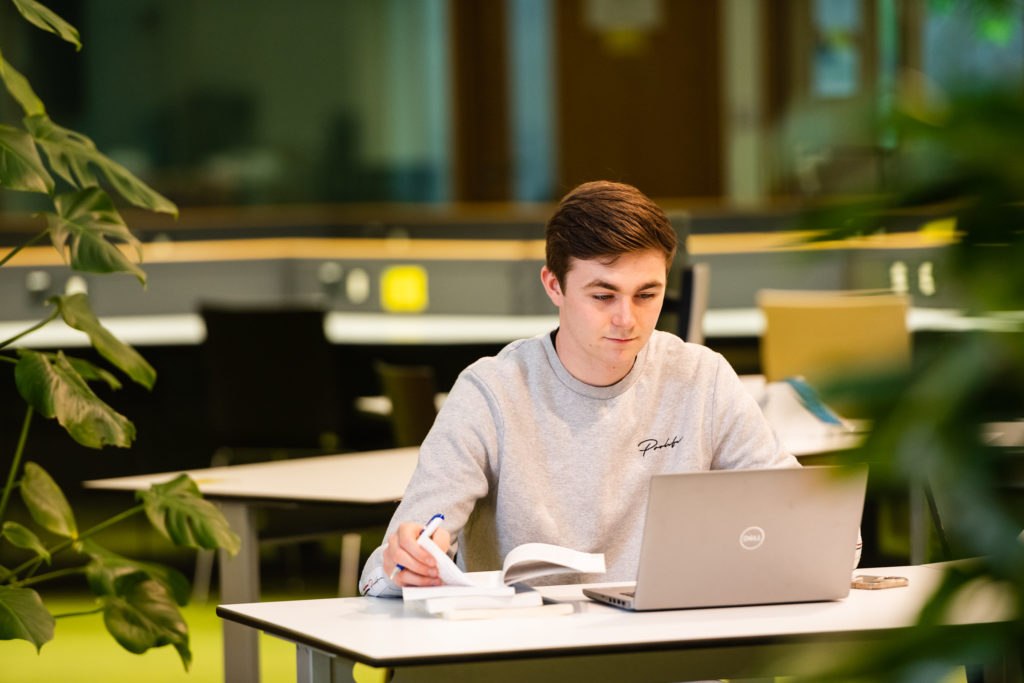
{"x": 556, "y": 438}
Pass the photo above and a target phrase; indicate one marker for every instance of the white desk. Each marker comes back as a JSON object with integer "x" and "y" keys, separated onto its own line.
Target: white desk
{"x": 359, "y": 478}
{"x": 365, "y": 479}
{"x": 596, "y": 642}
{"x": 187, "y": 329}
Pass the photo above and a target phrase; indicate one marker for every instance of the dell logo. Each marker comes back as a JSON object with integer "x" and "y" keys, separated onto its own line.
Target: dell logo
{"x": 751, "y": 538}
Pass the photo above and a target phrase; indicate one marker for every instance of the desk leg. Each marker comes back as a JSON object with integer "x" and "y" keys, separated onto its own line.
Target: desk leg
{"x": 240, "y": 583}
{"x": 348, "y": 578}
{"x": 313, "y": 666}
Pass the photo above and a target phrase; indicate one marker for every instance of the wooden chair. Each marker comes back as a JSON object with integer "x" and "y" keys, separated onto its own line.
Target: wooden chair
{"x": 827, "y": 337}
{"x": 824, "y": 335}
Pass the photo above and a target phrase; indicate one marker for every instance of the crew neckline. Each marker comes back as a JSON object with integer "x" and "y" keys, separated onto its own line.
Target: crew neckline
{"x": 590, "y": 390}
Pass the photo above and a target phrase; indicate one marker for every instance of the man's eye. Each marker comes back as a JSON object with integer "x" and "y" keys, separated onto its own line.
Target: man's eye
{"x": 646, "y": 295}
{"x": 602, "y": 297}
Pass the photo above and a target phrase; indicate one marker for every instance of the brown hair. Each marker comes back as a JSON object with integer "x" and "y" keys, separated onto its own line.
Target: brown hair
{"x": 606, "y": 219}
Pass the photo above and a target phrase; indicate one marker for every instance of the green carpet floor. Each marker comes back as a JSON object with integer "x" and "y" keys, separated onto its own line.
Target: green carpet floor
{"x": 82, "y": 650}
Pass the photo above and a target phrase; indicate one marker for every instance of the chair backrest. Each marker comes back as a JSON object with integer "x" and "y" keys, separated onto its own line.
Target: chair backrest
{"x": 271, "y": 378}
{"x": 690, "y": 302}
{"x": 824, "y": 335}
{"x": 411, "y": 389}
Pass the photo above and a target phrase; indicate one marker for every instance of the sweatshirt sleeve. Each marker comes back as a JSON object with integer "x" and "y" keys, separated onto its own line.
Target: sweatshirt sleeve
{"x": 742, "y": 436}
{"x": 452, "y": 473}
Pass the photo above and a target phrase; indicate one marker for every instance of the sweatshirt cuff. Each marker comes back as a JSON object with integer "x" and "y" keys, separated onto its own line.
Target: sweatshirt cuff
{"x": 376, "y": 584}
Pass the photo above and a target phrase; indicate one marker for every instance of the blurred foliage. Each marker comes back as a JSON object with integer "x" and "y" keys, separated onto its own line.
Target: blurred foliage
{"x": 961, "y": 155}
{"x": 139, "y": 600}
{"x": 993, "y": 19}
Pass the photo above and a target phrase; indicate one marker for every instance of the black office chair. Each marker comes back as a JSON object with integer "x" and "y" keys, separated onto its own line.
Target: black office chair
{"x": 272, "y": 384}
{"x": 273, "y": 392}
{"x": 684, "y": 306}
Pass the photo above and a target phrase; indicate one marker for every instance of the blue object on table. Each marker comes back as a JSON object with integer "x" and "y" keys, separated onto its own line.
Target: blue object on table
{"x": 810, "y": 399}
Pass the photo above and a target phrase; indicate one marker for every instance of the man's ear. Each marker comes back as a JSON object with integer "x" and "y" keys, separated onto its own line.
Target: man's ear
{"x": 552, "y": 286}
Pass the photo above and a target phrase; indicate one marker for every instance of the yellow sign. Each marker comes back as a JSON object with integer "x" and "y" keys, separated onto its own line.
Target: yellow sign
{"x": 403, "y": 289}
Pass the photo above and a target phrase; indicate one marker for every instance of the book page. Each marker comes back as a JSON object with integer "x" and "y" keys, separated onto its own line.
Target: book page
{"x": 523, "y": 562}
{"x": 540, "y": 559}
{"x": 448, "y": 571}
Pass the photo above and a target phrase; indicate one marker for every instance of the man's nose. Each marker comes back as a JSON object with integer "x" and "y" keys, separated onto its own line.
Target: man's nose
{"x": 624, "y": 315}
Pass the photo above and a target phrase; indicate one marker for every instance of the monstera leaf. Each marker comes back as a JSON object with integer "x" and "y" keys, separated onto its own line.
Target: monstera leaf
{"x": 20, "y": 89}
{"x": 177, "y": 510}
{"x": 71, "y": 151}
{"x": 22, "y": 537}
{"x": 89, "y": 371}
{"x": 51, "y": 386}
{"x": 47, "y": 19}
{"x": 106, "y": 568}
{"x": 46, "y": 502}
{"x": 140, "y": 614}
{"x": 77, "y": 313}
{"x": 83, "y": 228}
{"x": 20, "y": 165}
{"x": 22, "y": 615}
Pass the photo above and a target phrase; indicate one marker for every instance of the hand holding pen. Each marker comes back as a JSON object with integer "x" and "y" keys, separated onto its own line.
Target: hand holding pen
{"x": 410, "y": 564}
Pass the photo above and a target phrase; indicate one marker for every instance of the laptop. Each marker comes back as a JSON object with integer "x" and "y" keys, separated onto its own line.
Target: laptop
{"x": 746, "y": 537}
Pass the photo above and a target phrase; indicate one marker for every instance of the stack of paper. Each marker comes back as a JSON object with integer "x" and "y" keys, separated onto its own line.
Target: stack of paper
{"x": 470, "y": 602}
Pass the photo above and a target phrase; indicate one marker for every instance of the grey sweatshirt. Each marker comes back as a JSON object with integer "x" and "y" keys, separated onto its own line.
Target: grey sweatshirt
{"x": 522, "y": 452}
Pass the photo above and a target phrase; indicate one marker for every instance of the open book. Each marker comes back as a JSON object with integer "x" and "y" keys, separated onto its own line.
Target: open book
{"x": 492, "y": 589}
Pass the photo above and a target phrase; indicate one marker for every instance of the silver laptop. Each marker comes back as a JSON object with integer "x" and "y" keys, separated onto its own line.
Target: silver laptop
{"x": 746, "y": 537}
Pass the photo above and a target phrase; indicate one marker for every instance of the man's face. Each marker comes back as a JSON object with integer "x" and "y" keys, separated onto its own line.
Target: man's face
{"x": 606, "y": 313}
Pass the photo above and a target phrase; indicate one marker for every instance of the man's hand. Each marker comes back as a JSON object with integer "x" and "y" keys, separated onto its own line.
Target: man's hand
{"x": 418, "y": 566}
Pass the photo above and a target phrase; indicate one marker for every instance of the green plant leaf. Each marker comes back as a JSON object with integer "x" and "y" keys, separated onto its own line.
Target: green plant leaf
{"x": 178, "y": 511}
{"x": 69, "y": 152}
{"x": 106, "y": 568}
{"x": 77, "y": 313}
{"x": 132, "y": 189}
{"x": 82, "y": 229}
{"x": 20, "y": 89}
{"x": 141, "y": 615}
{"x": 54, "y": 389}
{"x": 21, "y": 168}
{"x": 22, "y": 615}
{"x": 48, "y": 20}
{"x": 46, "y": 502}
{"x": 72, "y": 152}
{"x": 91, "y": 372}
{"x": 22, "y": 537}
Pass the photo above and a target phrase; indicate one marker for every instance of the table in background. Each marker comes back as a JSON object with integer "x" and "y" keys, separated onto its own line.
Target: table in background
{"x": 345, "y": 327}
{"x": 376, "y": 478}
{"x": 596, "y": 642}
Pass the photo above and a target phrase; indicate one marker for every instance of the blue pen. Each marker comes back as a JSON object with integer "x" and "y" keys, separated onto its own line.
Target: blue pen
{"x": 428, "y": 531}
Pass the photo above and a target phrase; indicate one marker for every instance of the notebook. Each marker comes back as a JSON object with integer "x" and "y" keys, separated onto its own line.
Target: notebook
{"x": 746, "y": 537}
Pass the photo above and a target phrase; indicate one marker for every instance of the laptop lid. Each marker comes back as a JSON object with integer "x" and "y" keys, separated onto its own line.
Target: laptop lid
{"x": 747, "y": 537}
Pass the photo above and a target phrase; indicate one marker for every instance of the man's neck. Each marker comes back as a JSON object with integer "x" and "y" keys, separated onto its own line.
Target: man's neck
{"x": 603, "y": 377}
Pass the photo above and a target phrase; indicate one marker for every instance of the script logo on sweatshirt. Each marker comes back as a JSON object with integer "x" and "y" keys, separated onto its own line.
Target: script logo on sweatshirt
{"x": 650, "y": 445}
